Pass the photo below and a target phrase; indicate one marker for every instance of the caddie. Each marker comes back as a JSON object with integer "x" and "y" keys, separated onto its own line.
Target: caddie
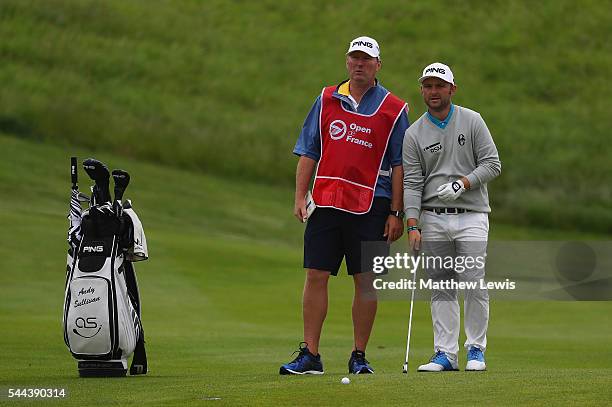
{"x": 449, "y": 157}
{"x": 351, "y": 142}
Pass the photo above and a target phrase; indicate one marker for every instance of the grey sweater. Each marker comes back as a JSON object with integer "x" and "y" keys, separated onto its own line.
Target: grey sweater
{"x": 433, "y": 156}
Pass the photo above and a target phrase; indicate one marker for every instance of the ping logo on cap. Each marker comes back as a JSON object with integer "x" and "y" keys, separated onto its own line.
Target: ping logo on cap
{"x": 362, "y": 43}
{"x": 434, "y": 69}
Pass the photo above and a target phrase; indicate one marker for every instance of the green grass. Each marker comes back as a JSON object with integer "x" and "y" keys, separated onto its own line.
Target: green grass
{"x": 223, "y": 87}
{"x": 221, "y": 305}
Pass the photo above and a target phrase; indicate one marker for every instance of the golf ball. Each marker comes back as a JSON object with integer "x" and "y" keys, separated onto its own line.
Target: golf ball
{"x": 345, "y": 380}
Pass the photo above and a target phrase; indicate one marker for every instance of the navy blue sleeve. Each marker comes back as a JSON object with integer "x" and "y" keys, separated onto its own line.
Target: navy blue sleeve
{"x": 397, "y": 139}
{"x": 309, "y": 141}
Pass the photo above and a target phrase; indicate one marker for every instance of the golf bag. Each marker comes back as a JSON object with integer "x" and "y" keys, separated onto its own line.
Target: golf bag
{"x": 102, "y": 316}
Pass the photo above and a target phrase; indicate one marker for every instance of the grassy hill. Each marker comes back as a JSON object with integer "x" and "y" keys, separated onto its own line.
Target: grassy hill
{"x": 223, "y": 87}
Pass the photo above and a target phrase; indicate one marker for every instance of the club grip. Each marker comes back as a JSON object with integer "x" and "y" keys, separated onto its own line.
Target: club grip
{"x": 73, "y": 172}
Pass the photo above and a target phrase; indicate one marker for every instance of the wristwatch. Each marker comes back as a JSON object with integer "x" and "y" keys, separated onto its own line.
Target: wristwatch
{"x": 399, "y": 214}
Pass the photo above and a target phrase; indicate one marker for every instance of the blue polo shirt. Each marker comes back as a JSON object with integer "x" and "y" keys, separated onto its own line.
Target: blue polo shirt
{"x": 309, "y": 142}
{"x": 442, "y": 123}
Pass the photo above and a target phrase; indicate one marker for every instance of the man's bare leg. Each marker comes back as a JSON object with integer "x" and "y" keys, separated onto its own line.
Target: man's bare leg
{"x": 314, "y": 307}
{"x": 364, "y": 309}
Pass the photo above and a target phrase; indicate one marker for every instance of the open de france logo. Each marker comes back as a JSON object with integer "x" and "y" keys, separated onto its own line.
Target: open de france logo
{"x": 337, "y": 129}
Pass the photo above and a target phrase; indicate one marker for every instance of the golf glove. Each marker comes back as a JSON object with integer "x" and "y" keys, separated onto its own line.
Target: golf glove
{"x": 450, "y": 191}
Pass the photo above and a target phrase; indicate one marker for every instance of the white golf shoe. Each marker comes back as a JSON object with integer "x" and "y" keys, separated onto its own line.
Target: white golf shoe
{"x": 440, "y": 362}
{"x": 475, "y": 360}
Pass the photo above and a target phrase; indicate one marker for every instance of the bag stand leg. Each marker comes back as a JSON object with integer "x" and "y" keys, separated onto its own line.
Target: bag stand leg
{"x": 102, "y": 368}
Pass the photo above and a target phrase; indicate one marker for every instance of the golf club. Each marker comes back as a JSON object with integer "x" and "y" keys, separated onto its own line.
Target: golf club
{"x": 73, "y": 173}
{"x": 75, "y": 180}
{"x": 405, "y": 370}
{"x": 122, "y": 180}
{"x": 98, "y": 172}
{"x": 75, "y": 211}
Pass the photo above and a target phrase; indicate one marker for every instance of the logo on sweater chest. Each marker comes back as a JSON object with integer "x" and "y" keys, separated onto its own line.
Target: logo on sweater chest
{"x": 434, "y": 148}
{"x": 461, "y": 139}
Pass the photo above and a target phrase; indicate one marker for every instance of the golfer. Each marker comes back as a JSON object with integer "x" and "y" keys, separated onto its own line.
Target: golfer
{"x": 351, "y": 142}
{"x": 449, "y": 157}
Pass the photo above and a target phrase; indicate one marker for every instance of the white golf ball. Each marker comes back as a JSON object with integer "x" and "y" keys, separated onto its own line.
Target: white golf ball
{"x": 345, "y": 380}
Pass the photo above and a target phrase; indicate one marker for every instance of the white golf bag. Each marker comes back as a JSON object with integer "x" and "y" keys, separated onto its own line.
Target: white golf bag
{"x": 101, "y": 318}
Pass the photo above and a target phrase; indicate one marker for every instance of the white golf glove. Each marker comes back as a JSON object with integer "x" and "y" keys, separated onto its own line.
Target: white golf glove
{"x": 451, "y": 190}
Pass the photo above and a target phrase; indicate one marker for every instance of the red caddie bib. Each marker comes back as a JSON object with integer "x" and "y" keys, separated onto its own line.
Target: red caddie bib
{"x": 352, "y": 149}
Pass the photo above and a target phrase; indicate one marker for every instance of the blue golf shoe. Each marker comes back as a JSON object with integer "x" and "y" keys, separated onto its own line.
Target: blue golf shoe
{"x": 440, "y": 362}
{"x": 358, "y": 364}
{"x": 304, "y": 363}
{"x": 475, "y": 360}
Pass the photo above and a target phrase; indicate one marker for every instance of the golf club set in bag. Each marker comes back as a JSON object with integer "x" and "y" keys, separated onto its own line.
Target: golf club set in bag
{"x": 102, "y": 311}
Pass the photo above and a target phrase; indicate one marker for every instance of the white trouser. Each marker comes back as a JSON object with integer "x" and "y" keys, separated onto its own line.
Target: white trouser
{"x": 457, "y": 235}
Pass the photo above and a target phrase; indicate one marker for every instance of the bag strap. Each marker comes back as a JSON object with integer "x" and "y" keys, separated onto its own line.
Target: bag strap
{"x": 139, "y": 359}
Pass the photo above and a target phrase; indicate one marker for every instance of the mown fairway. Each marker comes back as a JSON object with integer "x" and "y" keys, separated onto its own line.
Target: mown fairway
{"x": 221, "y": 298}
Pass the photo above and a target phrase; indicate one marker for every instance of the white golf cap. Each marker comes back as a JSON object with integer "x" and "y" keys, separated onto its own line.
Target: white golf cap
{"x": 364, "y": 44}
{"x": 438, "y": 70}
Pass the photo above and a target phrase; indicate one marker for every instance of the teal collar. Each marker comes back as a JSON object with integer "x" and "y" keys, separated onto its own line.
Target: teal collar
{"x": 442, "y": 123}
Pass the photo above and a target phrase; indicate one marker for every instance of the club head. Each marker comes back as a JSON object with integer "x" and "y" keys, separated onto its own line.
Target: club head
{"x": 96, "y": 170}
{"x": 405, "y": 369}
{"x": 122, "y": 180}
